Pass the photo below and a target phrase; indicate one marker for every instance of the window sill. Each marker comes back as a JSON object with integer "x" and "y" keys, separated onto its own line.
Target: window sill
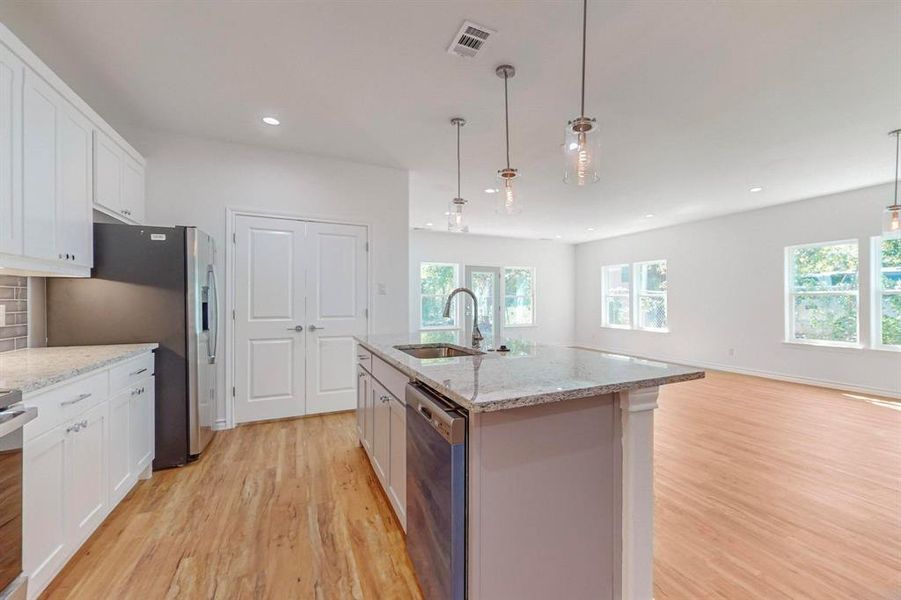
{"x": 505, "y": 326}
{"x": 620, "y": 327}
{"x": 646, "y": 330}
{"x": 886, "y": 348}
{"x": 823, "y": 345}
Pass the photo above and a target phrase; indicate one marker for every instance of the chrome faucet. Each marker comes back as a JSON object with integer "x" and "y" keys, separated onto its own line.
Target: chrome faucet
{"x": 476, "y": 334}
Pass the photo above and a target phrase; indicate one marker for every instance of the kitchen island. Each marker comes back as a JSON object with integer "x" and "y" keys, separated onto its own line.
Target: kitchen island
{"x": 560, "y": 463}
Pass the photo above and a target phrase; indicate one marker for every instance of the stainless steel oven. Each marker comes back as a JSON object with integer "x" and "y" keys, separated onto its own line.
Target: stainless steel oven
{"x": 13, "y": 416}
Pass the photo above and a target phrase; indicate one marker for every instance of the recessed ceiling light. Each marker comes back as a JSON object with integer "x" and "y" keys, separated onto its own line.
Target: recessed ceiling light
{"x": 755, "y": 189}
{"x": 649, "y": 216}
{"x": 491, "y": 190}
{"x": 447, "y": 213}
{"x": 558, "y": 236}
{"x": 590, "y": 229}
{"x": 271, "y": 121}
{"x": 429, "y": 224}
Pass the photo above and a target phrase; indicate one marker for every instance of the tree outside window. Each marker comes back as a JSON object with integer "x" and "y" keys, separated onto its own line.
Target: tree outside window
{"x": 822, "y": 283}
{"x": 889, "y": 292}
{"x": 651, "y": 295}
{"x": 437, "y": 281}
{"x": 519, "y": 296}
{"x": 616, "y": 294}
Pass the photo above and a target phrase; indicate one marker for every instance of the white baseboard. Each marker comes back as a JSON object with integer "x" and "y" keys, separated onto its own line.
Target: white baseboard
{"x": 824, "y": 383}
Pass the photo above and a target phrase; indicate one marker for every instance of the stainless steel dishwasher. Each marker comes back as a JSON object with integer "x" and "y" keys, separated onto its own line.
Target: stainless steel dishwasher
{"x": 436, "y": 493}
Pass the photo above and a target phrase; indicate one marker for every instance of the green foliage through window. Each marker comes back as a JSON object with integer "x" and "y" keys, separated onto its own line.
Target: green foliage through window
{"x": 823, "y": 286}
{"x": 519, "y": 296}
{"x": 890, "y": 285}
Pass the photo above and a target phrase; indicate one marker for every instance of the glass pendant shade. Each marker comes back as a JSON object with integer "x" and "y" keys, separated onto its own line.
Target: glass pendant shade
{"x": 455, "y": 216}
{"x": 891, "y": 222}
{"x": 509, "y": 196}
{"x": 581, "y": 146}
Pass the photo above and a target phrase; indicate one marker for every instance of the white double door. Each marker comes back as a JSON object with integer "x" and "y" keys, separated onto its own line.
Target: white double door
{"x": 300, "y": 297}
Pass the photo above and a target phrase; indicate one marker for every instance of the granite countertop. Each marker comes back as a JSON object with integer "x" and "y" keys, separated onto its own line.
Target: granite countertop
{"x": 31, "y": 369}
{"x": 529, "y": 374}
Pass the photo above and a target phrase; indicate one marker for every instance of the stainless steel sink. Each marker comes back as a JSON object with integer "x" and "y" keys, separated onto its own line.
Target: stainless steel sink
{"x": 436, "y": 351}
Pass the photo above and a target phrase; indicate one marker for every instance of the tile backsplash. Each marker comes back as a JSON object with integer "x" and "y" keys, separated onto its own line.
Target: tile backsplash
{"x": 13, "y": 312}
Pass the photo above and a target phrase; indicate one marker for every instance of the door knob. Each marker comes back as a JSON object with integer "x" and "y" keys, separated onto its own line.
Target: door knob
{"x": 296, "y": 328}
{"x": 314, "y": 328}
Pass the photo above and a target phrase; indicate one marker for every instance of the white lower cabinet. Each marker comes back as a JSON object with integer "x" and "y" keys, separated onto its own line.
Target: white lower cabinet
{"x": 382, "y": 428}
{"x": 82, "y": 455}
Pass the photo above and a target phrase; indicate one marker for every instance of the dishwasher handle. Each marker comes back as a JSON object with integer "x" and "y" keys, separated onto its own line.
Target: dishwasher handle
{"x": 438, "y": 412}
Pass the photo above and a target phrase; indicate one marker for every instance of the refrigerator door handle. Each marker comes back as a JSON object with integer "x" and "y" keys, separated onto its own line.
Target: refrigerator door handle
{"x": 212, "y": 343}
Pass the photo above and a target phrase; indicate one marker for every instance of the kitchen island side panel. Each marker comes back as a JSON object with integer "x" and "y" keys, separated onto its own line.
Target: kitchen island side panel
{"x": 545, "y": 501}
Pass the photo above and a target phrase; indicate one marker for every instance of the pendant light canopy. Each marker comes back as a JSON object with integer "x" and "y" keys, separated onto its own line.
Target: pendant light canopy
{"x": 455, "y": 208}
{"x": 509, "y": 200}
{"x": 581, "y": 139}
{"x": 891, "y": 217}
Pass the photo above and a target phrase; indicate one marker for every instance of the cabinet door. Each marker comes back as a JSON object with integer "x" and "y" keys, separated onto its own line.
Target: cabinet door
{"x": 87, "y": 489}
{"x": 133, "y": 188}
{"x": 121, "y": 476}
{"x": 368, "y": 417}
{"x": 11, "y": 72}
{"x": 397, "y": 468}
{"x": 382, "y": 426}
{"x": 142, "y": 425}
{"x": 361, "y": 403}
{"x": 44, "y": 468}
{"x": 39, "y": 144}
{"x": 74, "y": 206}
{"x": 108, "y": 173}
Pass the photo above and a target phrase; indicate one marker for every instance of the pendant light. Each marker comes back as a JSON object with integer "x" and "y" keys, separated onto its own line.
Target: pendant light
{"x": 455, "y": 208}
{"x": 509, "y": 200}
{"x": 891, "y": 217}
{"x": 581, "y": 141}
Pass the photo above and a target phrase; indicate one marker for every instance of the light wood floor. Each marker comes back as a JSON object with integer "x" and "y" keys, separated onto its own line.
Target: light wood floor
{"x": 765, "y": 490}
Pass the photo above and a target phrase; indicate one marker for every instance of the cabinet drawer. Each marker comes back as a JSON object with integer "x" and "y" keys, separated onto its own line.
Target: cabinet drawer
{"x": 364, "y": 358}
{"x": 130, "y": 372}
{"x": 393, "y": 380}
{"x": 66, "y": 402}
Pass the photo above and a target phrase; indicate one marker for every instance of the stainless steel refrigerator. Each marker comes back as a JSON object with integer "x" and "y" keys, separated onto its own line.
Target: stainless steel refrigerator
{"x": 152, "y": 284}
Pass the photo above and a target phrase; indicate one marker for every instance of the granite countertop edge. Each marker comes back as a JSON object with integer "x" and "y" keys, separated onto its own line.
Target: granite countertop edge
{"x": 527, "y": 400}
{"x": 39, "y": 382}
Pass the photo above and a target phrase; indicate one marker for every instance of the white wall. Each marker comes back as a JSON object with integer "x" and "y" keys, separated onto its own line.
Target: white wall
{"x": 726, "y": 285}
{"x": 191, "y": 181}
{"x": 554, "y": 265}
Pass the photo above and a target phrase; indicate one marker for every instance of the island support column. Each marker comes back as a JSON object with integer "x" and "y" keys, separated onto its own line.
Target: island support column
{"x": 637, "y": 411}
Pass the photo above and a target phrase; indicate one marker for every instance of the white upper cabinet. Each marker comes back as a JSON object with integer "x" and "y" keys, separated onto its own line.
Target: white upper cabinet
{"x": 11, "y": 72}
{"x": 59, "y": 161}
{"x": 118, "y": 180}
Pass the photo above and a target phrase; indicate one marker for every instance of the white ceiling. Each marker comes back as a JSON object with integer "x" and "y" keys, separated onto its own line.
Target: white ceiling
{"x": 697, "y": 101}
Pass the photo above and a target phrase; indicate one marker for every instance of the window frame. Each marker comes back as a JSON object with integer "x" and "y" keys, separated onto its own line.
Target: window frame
{"x": 456, "y": 312}
{"x": 637, "y": 294}
{"x": 790, "y": 294}
{"x": 605, "y": 317}
{"x": 534, "y": 297}
{"x": 876, "y": 295}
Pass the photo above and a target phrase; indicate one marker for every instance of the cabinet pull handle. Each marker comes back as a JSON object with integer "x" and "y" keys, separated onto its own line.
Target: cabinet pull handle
{"x": 138, "y": 372}
{"x": 76, "y": 400}
{"x": 385, "y": 398}
{"x": 362, "y": 357}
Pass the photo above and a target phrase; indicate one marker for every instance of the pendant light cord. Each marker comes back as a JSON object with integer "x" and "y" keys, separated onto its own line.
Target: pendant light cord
{"x": 458, "y": 160}
{"x": 897, "y": 152}
{"x": 507, "y": 118}
{"x": 584, "y": 35}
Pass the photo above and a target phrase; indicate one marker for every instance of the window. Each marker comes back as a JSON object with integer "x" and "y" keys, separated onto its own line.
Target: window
{"x": 822, "y": 293}
{"x": 519, "y": 296}
{"x": 650, "y": 291}
{"x": 887, "y": 299}
{"x": 439, "y": 336}
{"x": 437, "y": 280}
{"x": 616, "y": 290}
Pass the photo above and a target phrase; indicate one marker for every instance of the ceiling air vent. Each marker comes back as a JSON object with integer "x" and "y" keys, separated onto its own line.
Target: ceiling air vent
{"x": 470, "y": 40}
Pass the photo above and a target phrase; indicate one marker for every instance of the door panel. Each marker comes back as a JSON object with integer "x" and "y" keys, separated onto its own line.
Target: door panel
{"x": 11, "y": 71}
{"x": 120, "y": 473}
{"x": 87, "y": 484}
{"x": 270, "y": 295}
{"x": 74, "y": 206}
{"x": 336, "y": 311}
{"x": 39, "y": 143}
